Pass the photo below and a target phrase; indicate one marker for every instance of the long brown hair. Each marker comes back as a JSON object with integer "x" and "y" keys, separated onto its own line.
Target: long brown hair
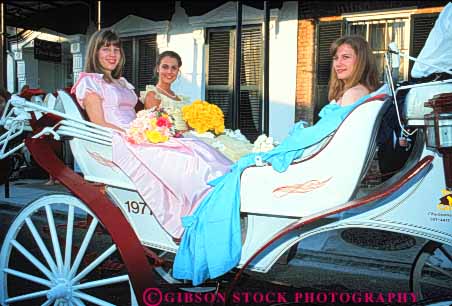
{"x": 365, "y": 71}
{"x": 98, "y": 40}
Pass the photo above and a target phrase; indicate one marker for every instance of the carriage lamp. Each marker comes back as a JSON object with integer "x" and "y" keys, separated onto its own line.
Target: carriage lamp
{"x": 438, "y": 130}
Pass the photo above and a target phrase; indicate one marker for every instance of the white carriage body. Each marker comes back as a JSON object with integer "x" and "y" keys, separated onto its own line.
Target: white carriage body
{"x": 320, "y": 187}
{"x": 323, "y": 181}
{"x": 327, "y": 176}
{"x": 335, "y": 166}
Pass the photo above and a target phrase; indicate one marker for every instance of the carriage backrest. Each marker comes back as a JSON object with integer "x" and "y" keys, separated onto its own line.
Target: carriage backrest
{"x": 70, "y": 106}
{"x": 49, "y": 101}
{"x": 329, "y": 177}
{"x": 92, "y": 150}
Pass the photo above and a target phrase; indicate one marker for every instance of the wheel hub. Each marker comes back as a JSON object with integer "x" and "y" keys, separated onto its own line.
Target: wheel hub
{"x": 61, "y": 290}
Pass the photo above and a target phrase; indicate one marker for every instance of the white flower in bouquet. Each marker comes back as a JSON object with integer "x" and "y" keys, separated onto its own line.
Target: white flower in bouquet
{"x": 264, "y": 144}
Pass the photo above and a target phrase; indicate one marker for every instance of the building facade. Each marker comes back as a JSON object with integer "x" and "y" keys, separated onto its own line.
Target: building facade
{"x": 300, "y": 35}
{"x": 206, "y": 44}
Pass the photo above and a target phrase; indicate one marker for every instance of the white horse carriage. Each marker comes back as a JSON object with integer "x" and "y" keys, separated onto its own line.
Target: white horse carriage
{"x": 54, "y": 263}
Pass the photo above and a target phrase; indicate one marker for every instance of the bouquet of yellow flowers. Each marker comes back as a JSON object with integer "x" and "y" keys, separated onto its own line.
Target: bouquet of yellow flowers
{"x": 203, "y": 116}
{"x": 151, "y": 126}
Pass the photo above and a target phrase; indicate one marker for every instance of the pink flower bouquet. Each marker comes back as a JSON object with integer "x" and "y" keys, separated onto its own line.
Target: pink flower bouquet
{"x": 151, "y": 126}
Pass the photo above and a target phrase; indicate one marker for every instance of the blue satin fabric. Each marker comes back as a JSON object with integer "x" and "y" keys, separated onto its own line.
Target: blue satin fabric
{"x": 211, "y": 243}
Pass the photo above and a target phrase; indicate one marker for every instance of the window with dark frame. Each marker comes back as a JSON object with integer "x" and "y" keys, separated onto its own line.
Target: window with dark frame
{"x": 220, "y": 60}
{"x": 379, "y": 33}
{"x": 140, "y": 55}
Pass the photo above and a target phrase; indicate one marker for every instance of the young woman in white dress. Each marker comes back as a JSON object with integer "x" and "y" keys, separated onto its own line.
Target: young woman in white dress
{"x": 161, "y": 95}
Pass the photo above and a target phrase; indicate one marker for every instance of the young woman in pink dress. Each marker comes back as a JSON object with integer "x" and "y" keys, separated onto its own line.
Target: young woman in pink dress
{"x": 171, "y": 177}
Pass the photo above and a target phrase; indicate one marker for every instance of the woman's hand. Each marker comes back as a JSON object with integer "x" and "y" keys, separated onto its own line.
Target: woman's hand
{"x": 151, "y": 100}
{"x": 93, "y": 107}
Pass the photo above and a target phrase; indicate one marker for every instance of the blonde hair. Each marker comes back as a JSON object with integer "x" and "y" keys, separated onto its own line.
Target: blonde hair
{"x": 98, "y": 40}
{"x": 365, "y": 71}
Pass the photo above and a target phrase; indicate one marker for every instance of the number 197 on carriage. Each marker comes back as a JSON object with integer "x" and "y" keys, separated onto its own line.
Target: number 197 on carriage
{"x": 135, "y": 207}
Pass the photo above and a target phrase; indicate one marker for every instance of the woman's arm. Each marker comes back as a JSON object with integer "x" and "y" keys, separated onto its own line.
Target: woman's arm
{"x": 151, "y": 100}
{"x": 93, "y": 107}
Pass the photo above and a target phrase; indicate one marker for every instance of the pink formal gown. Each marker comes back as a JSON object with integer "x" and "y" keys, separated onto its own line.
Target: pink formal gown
{"x": 171, "y": 177}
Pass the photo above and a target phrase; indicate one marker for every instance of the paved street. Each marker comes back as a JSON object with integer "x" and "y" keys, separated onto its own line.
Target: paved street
{"x": 341, "y": 261}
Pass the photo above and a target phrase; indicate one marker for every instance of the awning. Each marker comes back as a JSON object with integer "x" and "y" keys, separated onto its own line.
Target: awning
{"x": 74, "y": 17}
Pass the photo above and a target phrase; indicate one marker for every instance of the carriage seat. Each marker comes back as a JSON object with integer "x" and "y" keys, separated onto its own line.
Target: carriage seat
{"x": 329, "y": 177}
{"x": 91, "y": 146}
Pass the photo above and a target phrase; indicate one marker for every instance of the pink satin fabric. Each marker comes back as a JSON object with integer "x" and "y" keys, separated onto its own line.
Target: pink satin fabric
{"x": 171, "y": 177}
{"x": 118, "y": 102}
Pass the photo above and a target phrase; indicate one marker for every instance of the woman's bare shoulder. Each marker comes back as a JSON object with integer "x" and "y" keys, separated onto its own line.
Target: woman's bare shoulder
{"x": 351, "y": 95}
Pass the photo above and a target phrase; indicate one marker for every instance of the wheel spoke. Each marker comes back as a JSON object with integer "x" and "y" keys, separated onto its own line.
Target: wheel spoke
{"x": 83, "y": 247}
{"x": 26, "y": 296}
{"x": 56, "y": 258}
{"x": 54, "y": 236}
{"x": 41, "y": 245}
{"x": 440, "y": 270}
{"x": 32, "y": 259}
{"x": 94, "y": 264}
{"x": 78, "y": 302}
{"x": 92, "y": 299}
{"x": 47, "y": 303}
{"x": 103, "y": 282}
{"x": 68, "y": 247}
{"x": 29, "y": 277}
{"x": 434, "y": 282}
{"x": 445, "y": 252}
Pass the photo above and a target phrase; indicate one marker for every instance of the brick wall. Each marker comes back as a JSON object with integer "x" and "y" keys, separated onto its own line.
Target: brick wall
{"x": 316, "y": 8}
{"x": 305, "y": 71}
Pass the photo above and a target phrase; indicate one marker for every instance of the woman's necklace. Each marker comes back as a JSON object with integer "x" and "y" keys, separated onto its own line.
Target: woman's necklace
{"x": 172, "y": 96}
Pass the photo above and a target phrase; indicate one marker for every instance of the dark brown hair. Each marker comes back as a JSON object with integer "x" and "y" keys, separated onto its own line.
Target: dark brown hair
{"x": 168, "y": 53}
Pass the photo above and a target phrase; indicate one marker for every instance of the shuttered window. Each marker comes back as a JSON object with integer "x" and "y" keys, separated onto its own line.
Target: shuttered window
{"x": 140, "y": 54}
{"x": 220, "y": 67}
{"x": 421, "y": 25}
{"x": 250, "y": 108}
{"x": 127, "y": 72}
{"x": 328, "y": 32}
{"x": 219, "y": 78}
